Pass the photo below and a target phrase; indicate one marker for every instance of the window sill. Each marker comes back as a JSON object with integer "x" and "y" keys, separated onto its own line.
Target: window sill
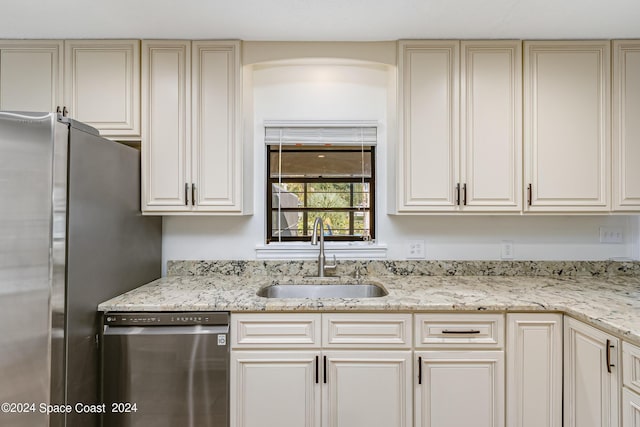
{"x": 342, "y": 250}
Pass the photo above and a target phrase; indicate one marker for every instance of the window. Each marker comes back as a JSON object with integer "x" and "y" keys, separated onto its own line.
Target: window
{"x": 320, "y": 173}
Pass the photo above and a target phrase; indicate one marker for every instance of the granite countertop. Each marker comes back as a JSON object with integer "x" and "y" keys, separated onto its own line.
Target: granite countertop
{"x": 611, "y": 303}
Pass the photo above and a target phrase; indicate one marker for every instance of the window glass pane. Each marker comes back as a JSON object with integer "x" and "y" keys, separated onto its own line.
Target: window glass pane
{"x": 335, "y": 191}
{"x": 328, "y": 195}
{"x": 287, "y": 195}
{"x": 290, "y": 224}
{"x": 321, "y": 195}
{"x": 320, "y": 163}
{"x": 337, "y": 223}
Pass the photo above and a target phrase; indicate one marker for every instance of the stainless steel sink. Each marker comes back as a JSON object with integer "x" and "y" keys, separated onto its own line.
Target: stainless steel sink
{"x": 367, "y": 290}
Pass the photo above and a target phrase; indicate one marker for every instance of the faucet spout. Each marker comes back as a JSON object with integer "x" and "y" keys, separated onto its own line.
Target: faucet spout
{"x": 314, "y": 241}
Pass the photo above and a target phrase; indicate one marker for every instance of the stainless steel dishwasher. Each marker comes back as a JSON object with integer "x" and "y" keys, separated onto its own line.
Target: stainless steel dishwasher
{"x": 165, "y": 369}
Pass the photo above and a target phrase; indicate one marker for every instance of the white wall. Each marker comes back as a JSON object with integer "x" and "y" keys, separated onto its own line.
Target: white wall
{"x": 290, "y": 91}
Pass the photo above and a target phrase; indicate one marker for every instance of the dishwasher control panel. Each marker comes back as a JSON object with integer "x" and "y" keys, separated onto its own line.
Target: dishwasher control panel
{"x": 166, "y": 318}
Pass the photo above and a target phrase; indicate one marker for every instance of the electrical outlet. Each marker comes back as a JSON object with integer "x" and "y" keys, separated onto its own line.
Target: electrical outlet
{"x": 415, "y": 249}
{"x": 611, "y": 235}
{"x": 506, "y": 249}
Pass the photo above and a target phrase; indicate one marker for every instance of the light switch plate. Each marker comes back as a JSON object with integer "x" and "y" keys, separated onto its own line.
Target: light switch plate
{"x": 506, "y": 249}
{"x": 415, "y": 249}
{"x": 611, "y": 235}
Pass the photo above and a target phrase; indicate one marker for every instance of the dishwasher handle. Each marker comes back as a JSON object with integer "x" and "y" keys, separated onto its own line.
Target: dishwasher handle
{"x": 166, "y": 330}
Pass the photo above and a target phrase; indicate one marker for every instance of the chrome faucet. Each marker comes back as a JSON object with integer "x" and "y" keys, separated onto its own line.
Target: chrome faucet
{"x": 322, "y": 266}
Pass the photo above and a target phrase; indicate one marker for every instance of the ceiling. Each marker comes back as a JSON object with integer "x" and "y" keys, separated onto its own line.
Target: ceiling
{"x": 322, "y": 20}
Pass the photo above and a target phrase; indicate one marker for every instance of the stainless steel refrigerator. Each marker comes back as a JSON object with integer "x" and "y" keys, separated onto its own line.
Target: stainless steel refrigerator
{"x": 71, "y": 236}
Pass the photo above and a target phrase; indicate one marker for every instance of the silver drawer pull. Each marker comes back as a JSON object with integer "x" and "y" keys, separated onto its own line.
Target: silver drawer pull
{"x": 468, "y": 331}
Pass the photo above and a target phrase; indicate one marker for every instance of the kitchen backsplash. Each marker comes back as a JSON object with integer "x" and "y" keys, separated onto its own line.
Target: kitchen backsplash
{"x": 407, "y": 268}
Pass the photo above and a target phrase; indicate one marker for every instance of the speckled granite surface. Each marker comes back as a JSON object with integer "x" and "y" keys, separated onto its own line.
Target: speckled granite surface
{"x": 409, "y": 268}
{"x": 610, "y": 302}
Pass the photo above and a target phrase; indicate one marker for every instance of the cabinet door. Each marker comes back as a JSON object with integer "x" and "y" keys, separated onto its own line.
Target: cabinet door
{"x": 102, "y": 85}
{"x": 590, "y": 376}
{"x": 626, "y": 126}
{"x": 460, "y": 388}
{"x": 631, "y": 366}
{"x": 217, "y": 140}
{"x": 491, "y": 125}
{"x": 275, "y": 388}
{"x": 428, "y": 146}
{"x": 566, "y": 121}
{"x": 534, "y": 370}
{"x": 166, "y": 96}
{"x": 630, "y": 409}
{"x": 31, "y": 75}
{"x": 367, "y": 388}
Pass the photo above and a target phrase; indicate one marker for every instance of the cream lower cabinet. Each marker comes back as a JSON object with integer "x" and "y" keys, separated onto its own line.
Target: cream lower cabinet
{"x": 460, "y": 379}
{"x": 364, "y": 388}
{"x": 534, "y": 369}
{"x": 567, "y": 140}
{"x": 591, "y": 376}
{"x": 311, "y": 384}
{"x": 460, "y": 126}
{"x": 275, "y": 388}
{"x": 631, "y": 383}
{"x": 630, "y": 408}
{"x": 192, "y": 144}
{"x": 460, "y": 388}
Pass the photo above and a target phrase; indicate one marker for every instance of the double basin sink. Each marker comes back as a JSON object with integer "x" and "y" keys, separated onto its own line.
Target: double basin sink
{"x": 324, "y": 290}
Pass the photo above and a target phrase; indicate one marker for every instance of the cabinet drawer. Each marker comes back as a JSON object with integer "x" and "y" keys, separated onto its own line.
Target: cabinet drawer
{"x": 366, "y": 330}
{"x": 459, "y": 330}
{"x": 631, "y": 366}
{"x": 286, "y": 330}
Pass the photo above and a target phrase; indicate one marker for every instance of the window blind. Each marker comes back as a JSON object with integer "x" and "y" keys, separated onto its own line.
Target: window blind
{"x": 320, "y": 135}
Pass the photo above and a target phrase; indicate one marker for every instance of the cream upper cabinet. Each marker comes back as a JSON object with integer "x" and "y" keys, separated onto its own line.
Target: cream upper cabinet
{"x": 534, "y": 370}
{"x": 460, "y": 126}
{"x": 192, "y": 144}
{"x": 428, "y": 148}
{"x": 626, "y": 125}
{"x": 591, "y": 376}
{"x": 491, "y": 125}
{"x": 31, "y": 73}
{"x": 216, "y": 156}
{"x": 566, "y": 125}
{"x": 102, "y": 85}
{"x": 166, "y": 103}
